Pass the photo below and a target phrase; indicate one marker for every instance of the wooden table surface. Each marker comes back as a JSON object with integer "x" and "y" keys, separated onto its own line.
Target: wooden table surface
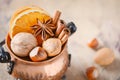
{"x": 88, "y": 15}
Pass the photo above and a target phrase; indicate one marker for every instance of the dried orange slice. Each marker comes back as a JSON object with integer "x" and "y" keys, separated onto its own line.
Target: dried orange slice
{"x": 25, "y": 17}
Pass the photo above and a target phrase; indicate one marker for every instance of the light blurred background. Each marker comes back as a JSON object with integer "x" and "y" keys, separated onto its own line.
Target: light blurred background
{"x": 88, "y": 15}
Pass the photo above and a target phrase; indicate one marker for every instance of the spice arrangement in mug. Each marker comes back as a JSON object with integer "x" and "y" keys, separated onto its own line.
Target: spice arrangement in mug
{"x": 37, "y": 35}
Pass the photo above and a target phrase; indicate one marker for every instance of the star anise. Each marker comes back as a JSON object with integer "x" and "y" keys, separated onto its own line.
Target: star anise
{"x": 44, "y": 29}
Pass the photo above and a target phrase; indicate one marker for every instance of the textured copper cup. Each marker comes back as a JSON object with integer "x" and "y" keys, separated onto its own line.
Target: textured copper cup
{"x": 51, "y": 69}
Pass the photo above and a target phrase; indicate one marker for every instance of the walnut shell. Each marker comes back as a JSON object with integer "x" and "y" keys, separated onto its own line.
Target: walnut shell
{"x": 52, "y": 46}
{"x": 22, "y": 43}
{"x": 38, "y": 54}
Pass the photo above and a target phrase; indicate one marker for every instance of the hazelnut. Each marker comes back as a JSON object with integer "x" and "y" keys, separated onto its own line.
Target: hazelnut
{"x": 38, "y": 54}
{"x": 52, "y": 46}
{"x": 22, "y": 43}
{"x": 92, "y": 73}
{"x": 104, "y": 56}
{"x": 93, "y": 44}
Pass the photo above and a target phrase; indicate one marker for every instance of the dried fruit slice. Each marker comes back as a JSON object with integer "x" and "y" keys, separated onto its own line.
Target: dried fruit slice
{"x": 24, "y": 18}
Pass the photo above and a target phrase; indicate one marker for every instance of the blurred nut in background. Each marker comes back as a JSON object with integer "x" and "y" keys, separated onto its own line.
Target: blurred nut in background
{"x": 93, "y": 44}
{"x": 104, "y": 56}
{"x": 92, "y": 73}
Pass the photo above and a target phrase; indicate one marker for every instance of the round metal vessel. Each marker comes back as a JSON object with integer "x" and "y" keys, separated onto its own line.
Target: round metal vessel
{"x": 51, "y": 69}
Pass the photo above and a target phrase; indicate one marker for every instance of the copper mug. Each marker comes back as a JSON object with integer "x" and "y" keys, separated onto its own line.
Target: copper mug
{"x": 52, "y": 69}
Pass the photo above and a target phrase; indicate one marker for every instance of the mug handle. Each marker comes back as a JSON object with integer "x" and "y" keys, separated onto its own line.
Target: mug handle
{"x": 72, "y": 27}
{"x": 6, "y": 58}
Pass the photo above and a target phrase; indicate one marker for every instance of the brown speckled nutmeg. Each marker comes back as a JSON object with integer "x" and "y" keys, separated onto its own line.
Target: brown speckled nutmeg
{"x": 52, "y": 46}
{"x": 22, "y": 43}
{"x": 104, "y": 56}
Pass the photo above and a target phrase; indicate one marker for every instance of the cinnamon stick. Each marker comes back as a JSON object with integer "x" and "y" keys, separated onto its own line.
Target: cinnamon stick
{"x": 64, "y": 38}
{"x": 56, "y": 17}
{"x": 60, "y": 27}
{"x": 64, "y": 35}
{"x": 61, "y": 34}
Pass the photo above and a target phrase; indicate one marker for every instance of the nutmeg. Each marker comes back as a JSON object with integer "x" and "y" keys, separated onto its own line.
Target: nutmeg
{"x": 38, "y": 54}
{"x": 52, "y": 46}
{"x": 92, "y": 73}
{"x": 22, "y": 43}
{"x": 104, "y": 56}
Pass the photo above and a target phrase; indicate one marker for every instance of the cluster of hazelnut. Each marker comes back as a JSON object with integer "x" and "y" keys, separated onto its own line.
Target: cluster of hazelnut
{"x": 42, "y": 47}
{"x": 104, "y": 56}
